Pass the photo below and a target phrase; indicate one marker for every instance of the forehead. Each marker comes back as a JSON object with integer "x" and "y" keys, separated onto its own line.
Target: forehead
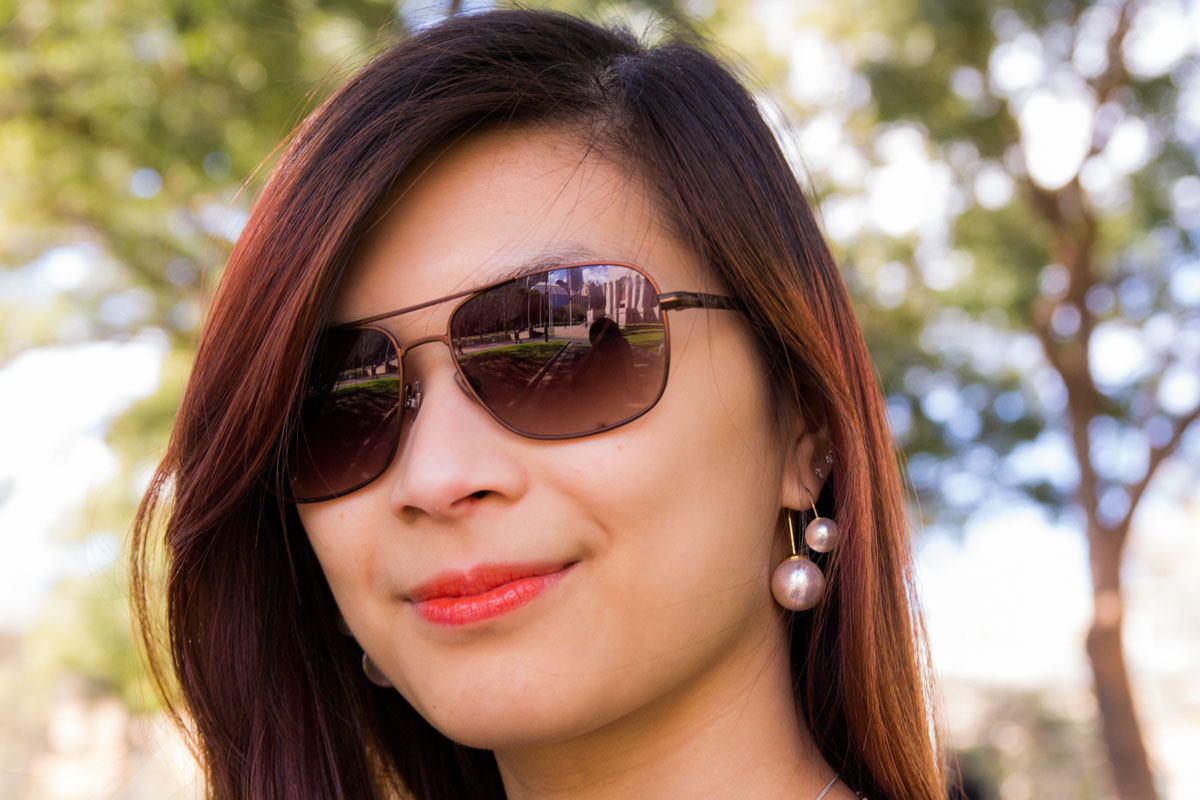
{"x": 502, "y": 202}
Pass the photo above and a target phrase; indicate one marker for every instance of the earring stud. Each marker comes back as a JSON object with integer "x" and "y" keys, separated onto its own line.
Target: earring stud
{"x": 824, "y": 465}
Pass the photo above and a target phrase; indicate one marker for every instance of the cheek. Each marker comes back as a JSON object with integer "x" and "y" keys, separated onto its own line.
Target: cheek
{"x": 689, "y": 505}
{"x": 345, "y": 552}
{"x": 723, "y": 458}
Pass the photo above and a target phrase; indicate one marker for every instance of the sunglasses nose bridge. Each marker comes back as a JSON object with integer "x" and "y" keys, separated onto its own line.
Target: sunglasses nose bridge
{"x": 444, "y": 339}
{"x": 412, "y": 394}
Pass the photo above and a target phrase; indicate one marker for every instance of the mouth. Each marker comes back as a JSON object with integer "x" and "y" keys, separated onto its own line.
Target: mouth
{"x": 484, "y": 592}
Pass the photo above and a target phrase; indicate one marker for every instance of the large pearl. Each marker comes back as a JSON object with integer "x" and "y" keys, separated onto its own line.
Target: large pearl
{"x": 797, "y": 584}
{"x": 821, "y": 534}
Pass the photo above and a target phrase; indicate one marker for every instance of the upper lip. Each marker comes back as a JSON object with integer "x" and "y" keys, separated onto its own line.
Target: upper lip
{"x": 478, "y": 579}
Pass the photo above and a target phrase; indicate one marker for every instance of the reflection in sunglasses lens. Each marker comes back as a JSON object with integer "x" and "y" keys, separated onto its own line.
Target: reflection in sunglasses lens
{"x": 564, "y": 352}
{"x": 349, "y": 420}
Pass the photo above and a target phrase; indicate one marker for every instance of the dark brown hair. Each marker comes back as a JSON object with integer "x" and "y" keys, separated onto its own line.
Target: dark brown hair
{"x": 273, "y": 694}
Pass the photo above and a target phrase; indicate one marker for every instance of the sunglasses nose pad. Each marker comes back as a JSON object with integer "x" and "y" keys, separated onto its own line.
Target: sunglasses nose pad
{"x": 412, "y": 397}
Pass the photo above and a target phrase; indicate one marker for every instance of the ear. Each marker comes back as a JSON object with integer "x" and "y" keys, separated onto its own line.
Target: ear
{"x": 805, "y": 467}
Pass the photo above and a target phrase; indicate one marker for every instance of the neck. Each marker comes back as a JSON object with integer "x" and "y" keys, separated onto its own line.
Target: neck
{"x": 732, "y": 734}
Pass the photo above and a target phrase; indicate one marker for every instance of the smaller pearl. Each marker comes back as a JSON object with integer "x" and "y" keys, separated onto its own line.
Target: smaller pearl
{"x": 821, "y": 534}
{"x": 797, "y": 584}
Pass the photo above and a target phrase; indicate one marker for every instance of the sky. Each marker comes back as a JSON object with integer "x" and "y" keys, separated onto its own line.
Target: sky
{"x": 56, "y": 404}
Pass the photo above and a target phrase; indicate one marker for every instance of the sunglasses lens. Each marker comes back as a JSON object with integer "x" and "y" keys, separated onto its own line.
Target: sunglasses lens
{"x": 349, "y": 418}
{"x": 565, "y": 352}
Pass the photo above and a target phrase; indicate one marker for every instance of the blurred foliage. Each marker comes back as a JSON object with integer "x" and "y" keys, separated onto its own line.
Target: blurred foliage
{"x": 83, "y": 631}
{"x": 972, "y": 287}
{"x": 127, "y": 127}
{"x": 1025, "y": 746}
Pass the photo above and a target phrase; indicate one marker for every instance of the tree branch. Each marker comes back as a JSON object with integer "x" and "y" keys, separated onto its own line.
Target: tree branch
{"x": 1157, "y": 456}
{"x": 1115, "y": 75}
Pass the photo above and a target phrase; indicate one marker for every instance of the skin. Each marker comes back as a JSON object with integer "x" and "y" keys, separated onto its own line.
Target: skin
{"x": 657, "y": 666}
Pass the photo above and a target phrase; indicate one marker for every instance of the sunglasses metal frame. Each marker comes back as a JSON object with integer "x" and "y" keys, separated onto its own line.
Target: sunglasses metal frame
{"x": 667, "y": 301}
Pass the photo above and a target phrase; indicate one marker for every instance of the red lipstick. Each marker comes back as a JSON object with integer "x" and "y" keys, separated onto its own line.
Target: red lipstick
{"x": 484, "y": 592}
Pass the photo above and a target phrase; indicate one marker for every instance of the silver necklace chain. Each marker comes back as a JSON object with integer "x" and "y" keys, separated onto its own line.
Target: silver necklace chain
{"x": 829, "y": 786}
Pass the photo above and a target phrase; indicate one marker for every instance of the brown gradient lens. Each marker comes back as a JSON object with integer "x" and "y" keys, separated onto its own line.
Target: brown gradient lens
{"x": 557, "y": 354}
{"x": 565, "y": 352}
{"x": 350, "y": 416}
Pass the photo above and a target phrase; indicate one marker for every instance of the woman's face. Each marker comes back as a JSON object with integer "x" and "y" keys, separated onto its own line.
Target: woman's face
{"x": 658, "y": 536}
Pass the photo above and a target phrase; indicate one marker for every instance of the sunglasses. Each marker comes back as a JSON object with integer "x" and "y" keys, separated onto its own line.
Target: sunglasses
{"x": 553, "y": 354}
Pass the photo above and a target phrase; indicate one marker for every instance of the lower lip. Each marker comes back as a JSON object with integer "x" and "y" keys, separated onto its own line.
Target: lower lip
{"x": 487, "y": 605}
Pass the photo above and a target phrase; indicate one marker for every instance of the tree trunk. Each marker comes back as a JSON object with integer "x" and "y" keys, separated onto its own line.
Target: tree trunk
{"x": 1075, "y": 232}
{"x": 1114, "y": 695}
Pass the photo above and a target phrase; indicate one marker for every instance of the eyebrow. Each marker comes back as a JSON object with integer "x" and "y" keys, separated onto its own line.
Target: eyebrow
{"x": 543, "y": 261}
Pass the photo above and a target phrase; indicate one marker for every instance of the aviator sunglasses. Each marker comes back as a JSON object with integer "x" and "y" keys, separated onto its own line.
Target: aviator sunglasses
{"x": 555, "y": 353}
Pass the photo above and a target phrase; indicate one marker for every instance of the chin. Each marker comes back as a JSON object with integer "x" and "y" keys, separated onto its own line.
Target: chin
{"x": 526, "y": 719}
{"x": 509, "y": 731}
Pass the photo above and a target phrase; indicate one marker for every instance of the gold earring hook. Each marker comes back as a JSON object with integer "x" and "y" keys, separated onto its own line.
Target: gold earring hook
{"x": 813, "y": 502}
{"x": 792, "y": 531}
{"x": 792, "y": 538}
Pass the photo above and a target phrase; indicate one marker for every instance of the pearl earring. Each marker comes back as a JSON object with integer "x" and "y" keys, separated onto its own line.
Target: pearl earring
{"x": 798, "y": 583}
{"x": 374, "y": 673}
{"x": 821, "y": 534}
{"x": 370, "y": 668}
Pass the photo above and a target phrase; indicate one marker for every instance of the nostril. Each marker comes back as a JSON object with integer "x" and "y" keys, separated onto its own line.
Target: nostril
{"x": 482, "y": 493}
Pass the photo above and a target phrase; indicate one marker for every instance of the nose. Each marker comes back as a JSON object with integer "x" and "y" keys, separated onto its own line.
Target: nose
{"x": 453, "y": 456}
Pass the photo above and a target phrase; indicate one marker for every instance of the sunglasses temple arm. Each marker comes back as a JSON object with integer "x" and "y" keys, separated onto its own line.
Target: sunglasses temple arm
{"x": 677, "y": 300}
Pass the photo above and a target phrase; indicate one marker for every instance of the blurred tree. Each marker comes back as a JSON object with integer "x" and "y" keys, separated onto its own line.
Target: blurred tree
{"x": 125, "y": 130}
{"x": 1025, "y": 747}
{"x": 1013, "y": 188}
